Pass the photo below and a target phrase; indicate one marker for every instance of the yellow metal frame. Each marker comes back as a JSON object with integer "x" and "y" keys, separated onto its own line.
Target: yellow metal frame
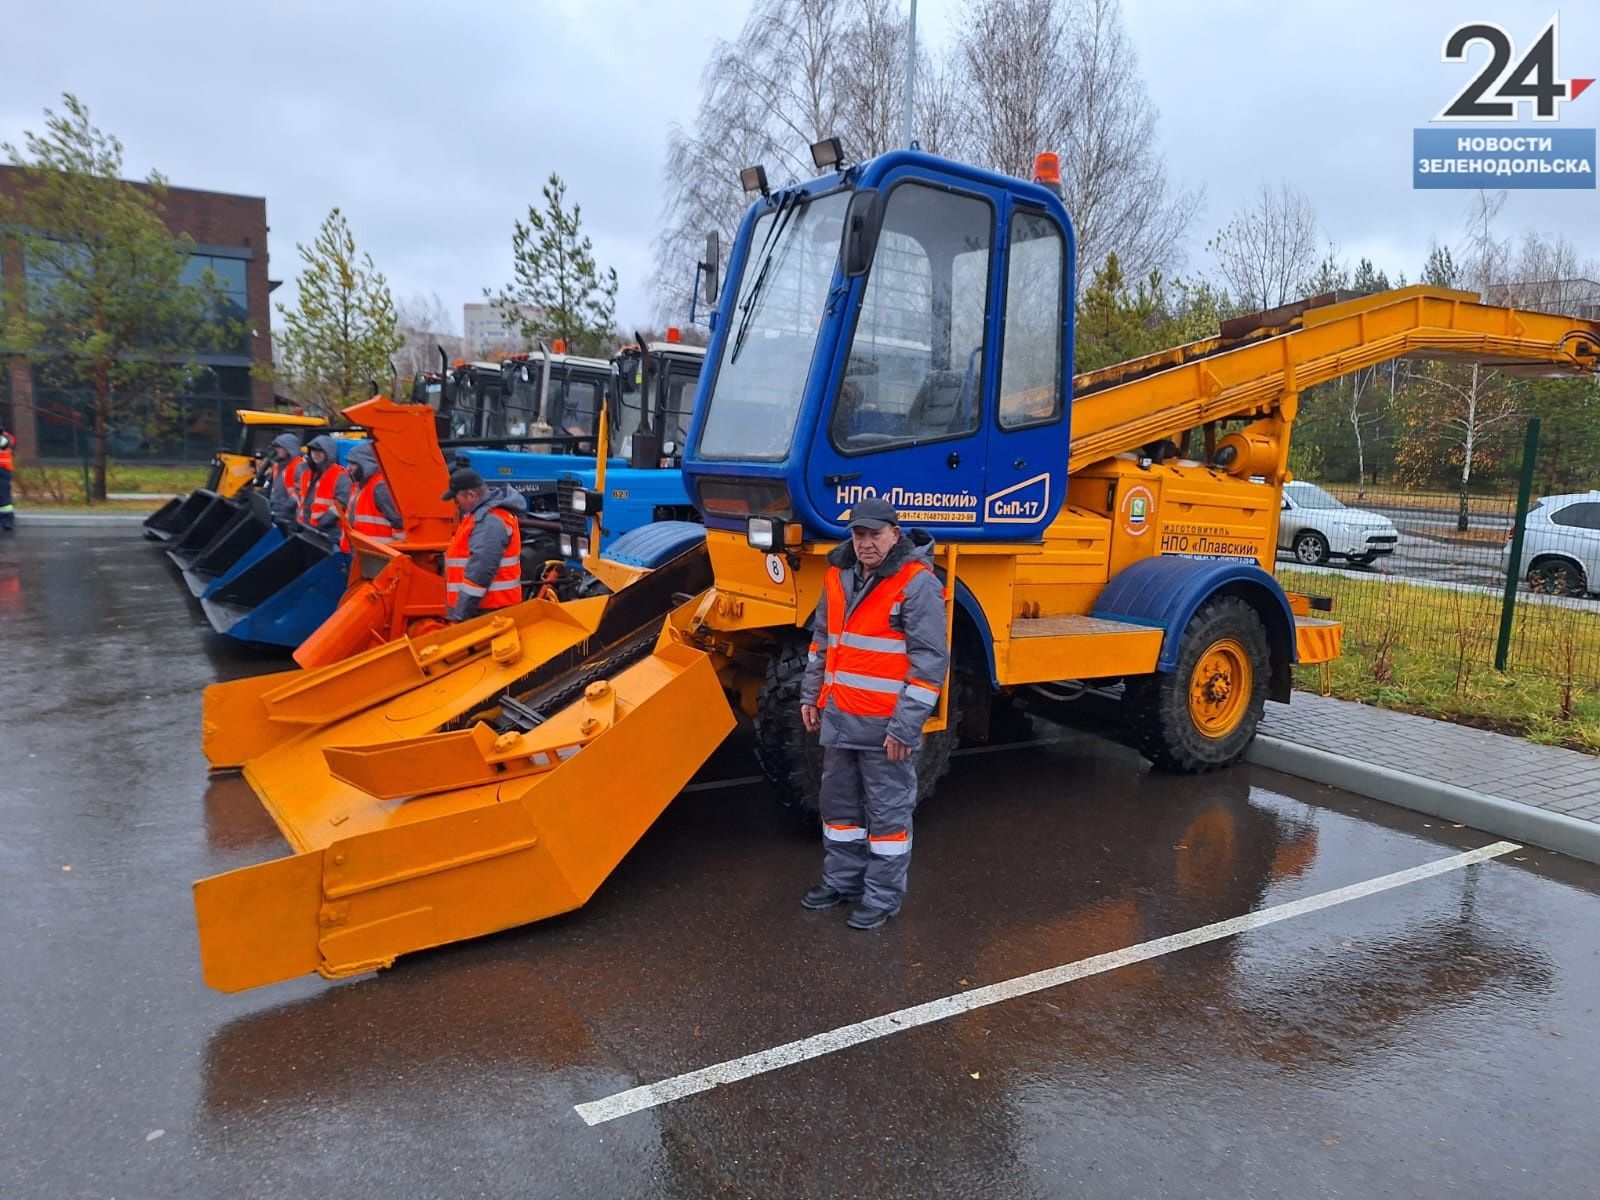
{"x": 256, "y": 416}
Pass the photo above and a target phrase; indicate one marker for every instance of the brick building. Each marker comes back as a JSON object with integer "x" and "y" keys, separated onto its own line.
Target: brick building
{"x": 230, "y": 237}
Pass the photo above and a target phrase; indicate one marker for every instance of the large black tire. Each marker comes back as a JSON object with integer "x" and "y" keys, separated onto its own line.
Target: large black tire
{"x": 1225, "y": 632}
{"x": 792, "y": 758}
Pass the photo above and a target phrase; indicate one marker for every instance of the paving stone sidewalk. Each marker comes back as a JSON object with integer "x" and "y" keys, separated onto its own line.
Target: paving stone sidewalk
{"x": 1546, "y": 777}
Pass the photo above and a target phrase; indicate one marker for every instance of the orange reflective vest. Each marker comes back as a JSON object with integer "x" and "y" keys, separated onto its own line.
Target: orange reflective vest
{"x": 866, "y": 665}
{"x": 323, "y": 498}
{"x": 365, "y": 515}
{"x": 505, "y": 589}
{"x": 8, "y": 460}
{"x": 290, "y": 473}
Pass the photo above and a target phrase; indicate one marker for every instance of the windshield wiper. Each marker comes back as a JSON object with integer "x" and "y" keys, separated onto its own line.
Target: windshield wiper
{"x": 787, "y": 207}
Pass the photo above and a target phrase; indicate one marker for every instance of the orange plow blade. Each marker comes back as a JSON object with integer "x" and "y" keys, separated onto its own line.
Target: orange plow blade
{"x": 496, "y": 839}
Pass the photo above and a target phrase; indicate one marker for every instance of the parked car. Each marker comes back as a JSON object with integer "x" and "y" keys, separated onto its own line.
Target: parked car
{"x": 1561, "y": 548}
{"x": 1315, "y": 527}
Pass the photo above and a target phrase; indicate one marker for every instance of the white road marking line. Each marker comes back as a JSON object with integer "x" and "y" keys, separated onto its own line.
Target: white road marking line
{"x": 638, "y": 1099}
{"x": 712, "y": 785}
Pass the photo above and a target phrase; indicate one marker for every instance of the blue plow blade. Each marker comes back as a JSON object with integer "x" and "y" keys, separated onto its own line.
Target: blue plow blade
{"x": 265, "y": 545}
{"x": 294, "y": 611}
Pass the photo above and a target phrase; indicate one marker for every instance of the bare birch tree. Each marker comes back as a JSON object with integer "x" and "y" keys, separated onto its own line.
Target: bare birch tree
{"x": 1267, "y": 254}
{"x": 1548, "y": 274}
{"x": 799, "y": 71}
{"x": 1113, "y": 176}
{"x": 1475, "y": 405}
{"x": 1061, "y": 75}
{"x": 765, "y": 98}
{"x": 1024, "y": 76}
{"x": 1015, "y": 61}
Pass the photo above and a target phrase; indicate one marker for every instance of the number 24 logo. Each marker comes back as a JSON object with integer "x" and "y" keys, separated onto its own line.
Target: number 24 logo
{"x": 1533, "y": 77}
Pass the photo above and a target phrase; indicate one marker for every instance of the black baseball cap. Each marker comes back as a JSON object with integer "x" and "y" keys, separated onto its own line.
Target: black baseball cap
{"x": 462, "y": 479}
{"x": 873, "y": 513}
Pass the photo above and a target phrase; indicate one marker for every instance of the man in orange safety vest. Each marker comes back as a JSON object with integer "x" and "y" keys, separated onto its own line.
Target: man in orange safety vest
{"x": 372, "y": 510}
{"x": 483, "y": 563}
{"x": 324, "y": 487}
{"x": 878, "y": 658}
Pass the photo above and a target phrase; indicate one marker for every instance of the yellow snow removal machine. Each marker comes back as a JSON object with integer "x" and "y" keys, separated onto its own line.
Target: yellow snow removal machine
{"x": 899, "y": 328}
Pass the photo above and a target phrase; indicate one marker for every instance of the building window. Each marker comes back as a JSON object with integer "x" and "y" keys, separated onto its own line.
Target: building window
{"x": 233, "y": 299}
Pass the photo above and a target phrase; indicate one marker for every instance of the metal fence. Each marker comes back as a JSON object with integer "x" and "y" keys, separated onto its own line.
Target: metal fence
{"x": 1447, "y": 600}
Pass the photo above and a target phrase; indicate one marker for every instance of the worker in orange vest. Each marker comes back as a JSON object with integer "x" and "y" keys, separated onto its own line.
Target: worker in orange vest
{"x": 8, "y": 464}
{"x": 372, "y": 510}
{"x": 483, "y": 563}
{"x": 879, "y": 654}
{"x": 283, "y": 488}
{"x": 324, "y": 487}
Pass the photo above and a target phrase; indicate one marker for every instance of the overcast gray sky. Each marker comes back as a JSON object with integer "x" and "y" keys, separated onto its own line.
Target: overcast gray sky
{"x": 433, "y": 126}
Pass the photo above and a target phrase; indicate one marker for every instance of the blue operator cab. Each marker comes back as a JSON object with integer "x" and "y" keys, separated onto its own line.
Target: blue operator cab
{"x": 867, "y": 344}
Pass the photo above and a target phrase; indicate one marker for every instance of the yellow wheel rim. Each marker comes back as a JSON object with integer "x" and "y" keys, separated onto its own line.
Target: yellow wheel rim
{"x": 1219, "y": 688}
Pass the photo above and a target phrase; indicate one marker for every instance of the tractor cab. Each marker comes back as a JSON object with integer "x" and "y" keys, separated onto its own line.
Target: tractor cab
{"x": 898, "y": 328}
{"x": 656, "y": 385}
{"x": 472, "y": 405}
{"x": 427, "y": 387}
{"x": 554, "y": 399}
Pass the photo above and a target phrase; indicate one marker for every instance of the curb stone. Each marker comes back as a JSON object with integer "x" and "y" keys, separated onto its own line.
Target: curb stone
{"x": 1493, "y": 814}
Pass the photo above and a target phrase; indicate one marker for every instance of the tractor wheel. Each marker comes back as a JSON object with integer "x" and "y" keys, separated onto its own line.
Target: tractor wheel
{"x": 1202, "y": 715}
{"x": 792, "y": 758}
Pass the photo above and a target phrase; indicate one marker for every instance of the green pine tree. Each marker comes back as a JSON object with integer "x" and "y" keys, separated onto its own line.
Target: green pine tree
{"x": 102, "y": 306}
{"x": 343, "y": 333}
{"x": 557, "y": 279}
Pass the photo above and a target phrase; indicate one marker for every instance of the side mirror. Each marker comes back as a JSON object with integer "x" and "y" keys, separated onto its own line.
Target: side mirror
{"x": 712, "y": 266}
{"x": 862, "y": 221}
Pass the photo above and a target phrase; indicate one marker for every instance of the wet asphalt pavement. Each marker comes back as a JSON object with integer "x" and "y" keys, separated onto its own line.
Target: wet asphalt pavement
{"x": 1438, "y": 1039}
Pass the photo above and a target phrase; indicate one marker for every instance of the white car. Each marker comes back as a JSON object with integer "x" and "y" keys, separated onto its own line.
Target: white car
{"x": 1315, "y": 527}
{"x": 1561, "y": 548}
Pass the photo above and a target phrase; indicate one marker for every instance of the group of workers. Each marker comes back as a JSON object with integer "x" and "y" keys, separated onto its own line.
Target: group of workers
{"x": 483, "y": 563}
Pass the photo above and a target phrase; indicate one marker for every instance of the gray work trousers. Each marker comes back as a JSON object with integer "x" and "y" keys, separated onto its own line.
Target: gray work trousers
{"x": 866, "y": 824}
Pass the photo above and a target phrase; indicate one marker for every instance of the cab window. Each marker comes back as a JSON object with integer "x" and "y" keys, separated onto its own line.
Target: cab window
{"x": 1030, "y": 365}
{"x": 916, "y": 358}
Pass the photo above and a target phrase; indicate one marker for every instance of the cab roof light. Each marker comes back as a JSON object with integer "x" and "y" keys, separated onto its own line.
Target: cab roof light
{"x": 754, "y": 179}
{"x": 674, "y": 334}
{"x": 559, "y": 346}
{"x": 459, "y": 364}
{"x": 1047, "y": 171}
{"x": 828, "y": 154}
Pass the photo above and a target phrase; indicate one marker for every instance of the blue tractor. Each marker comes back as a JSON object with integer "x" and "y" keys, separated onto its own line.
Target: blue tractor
{"x": 643, "y": 483}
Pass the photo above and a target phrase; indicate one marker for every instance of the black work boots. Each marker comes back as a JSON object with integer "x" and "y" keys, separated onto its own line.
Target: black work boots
{"x": 823, "y": 896}
{"x": 867, "y": 917}
{"x": 863, "y": 916}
